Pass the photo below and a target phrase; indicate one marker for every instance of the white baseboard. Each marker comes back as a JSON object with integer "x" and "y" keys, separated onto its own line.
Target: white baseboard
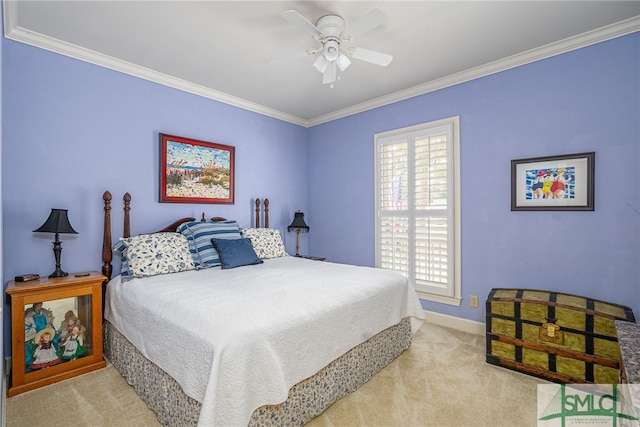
{"x": 465, "y": 325}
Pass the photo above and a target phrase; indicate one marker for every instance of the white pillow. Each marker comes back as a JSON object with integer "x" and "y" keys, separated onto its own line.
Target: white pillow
{"x": 267, "y": 242}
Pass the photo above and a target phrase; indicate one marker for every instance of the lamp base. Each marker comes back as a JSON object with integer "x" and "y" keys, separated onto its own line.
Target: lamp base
{"x": 57, "y": 250}
{"x": 58, "y": 273}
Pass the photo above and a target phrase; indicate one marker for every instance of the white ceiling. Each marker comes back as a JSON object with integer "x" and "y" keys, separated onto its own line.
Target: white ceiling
{"x": 222, "y": 49}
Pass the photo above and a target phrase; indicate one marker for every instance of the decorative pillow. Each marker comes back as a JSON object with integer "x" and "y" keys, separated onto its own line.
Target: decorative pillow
{"x": 199, "y": 235}
{"x": 235, "y": 253}
{"x": 158, "y": 253}
{"x": 125, "y": 271}
{"x": 267, "y": 242}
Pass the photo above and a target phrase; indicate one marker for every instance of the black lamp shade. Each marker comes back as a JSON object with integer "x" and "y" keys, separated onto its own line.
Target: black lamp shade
{"x": 298, "y": 223}
{"x": 58, "y": 222}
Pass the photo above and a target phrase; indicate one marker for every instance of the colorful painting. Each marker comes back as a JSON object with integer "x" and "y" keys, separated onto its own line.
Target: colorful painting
{"x": 553, "y": 183}
{"x": 195, "y": 171}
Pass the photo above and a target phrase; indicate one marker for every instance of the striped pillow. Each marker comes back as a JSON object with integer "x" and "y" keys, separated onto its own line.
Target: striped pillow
{"x": 199, "y": 235}
{"x": 125, "y": 270}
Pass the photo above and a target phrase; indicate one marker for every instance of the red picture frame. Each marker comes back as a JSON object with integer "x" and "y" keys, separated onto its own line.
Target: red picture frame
{"x": 194, "y": 171}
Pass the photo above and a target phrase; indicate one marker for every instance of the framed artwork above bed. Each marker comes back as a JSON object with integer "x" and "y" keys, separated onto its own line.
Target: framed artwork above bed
{"x": 193, "y": 171}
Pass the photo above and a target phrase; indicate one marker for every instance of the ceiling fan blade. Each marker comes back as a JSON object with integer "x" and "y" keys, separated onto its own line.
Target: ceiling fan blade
{"x": 330, "y": 73}
{"x": 293, "y": 17}
{"x": 371, "y": 56}
{"x": 369, "y": 21}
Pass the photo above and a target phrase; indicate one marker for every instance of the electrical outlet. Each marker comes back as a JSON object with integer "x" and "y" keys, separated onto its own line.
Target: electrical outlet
{"x": 474, "y": 301}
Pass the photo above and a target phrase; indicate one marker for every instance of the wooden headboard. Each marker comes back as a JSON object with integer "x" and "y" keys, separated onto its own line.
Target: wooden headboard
{"x": 107, "y": 244}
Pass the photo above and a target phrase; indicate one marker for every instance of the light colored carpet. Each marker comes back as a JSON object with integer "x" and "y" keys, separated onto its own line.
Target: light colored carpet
{"x": 442, "y": 380}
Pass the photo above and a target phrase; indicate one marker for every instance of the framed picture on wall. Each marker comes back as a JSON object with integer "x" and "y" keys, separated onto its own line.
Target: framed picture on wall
{"x": 553, "y": 183}
{"x": 193, "y": 171}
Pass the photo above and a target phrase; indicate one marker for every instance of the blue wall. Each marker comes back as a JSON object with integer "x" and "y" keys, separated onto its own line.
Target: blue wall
{"x": 584, "y": 100}
{"x": 72, "y": 130}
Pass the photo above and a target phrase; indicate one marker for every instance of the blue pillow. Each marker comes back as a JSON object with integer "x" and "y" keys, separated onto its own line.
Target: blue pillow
{"x": 199, "y": 235}
{"x": 235, "y": 253}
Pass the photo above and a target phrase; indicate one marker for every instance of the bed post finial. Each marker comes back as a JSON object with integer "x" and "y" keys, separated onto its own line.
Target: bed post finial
{"x": 266, "y": 213}
{"x": 257, "y": 213}
{"x": 106, "y": 237}
{"x": 203, "y": 219}
{"x": 127, "y": 207}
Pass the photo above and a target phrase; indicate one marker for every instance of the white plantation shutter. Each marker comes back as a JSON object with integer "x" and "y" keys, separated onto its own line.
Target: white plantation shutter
{"x": 416, "y": 205}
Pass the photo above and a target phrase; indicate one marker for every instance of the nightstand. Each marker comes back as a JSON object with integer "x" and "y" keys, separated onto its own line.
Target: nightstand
{"x": 315, "y": 258}
{"x": 56, "y": 329}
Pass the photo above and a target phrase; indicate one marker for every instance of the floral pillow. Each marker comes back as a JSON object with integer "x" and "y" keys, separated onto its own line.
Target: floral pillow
{"x": 267, "y": 242}
{"x": 153, "y": 254}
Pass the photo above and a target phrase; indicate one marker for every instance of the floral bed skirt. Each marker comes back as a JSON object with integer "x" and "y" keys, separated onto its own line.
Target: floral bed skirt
{"x": 307, "y": 399}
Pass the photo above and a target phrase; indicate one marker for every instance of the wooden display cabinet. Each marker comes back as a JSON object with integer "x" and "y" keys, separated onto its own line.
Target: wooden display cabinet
{"x": 65, "y": 311}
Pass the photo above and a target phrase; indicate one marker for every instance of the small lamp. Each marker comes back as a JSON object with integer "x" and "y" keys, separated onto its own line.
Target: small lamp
{"x": 58, "y": 222}
{"x": 299, "y": 225}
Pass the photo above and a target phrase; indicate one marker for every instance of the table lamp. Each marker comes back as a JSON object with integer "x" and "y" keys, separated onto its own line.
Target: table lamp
{"x": 58, "y": 222}
{"x": 299, "y": 225}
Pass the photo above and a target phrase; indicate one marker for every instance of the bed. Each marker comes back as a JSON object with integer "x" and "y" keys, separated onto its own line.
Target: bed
{"x": 273, "y": 341}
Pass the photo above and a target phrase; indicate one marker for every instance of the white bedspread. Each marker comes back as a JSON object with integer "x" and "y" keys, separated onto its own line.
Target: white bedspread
{"x": 239, "y": 339}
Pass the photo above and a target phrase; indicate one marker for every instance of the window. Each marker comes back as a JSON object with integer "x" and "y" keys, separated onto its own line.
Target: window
{"x": 418, "y": 207}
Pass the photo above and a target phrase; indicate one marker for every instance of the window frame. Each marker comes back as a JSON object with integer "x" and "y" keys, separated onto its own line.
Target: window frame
{"x": 454, "y": 294}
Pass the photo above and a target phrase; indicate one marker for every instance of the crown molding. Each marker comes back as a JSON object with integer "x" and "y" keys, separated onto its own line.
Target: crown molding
{"x": 17, "y": 33}
{"x": 609, "y": 32}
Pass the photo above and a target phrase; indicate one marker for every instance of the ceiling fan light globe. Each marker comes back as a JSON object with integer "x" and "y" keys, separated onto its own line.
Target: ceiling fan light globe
{"x": 331, "y": 50}
{"x": 329, "y": 75}
{"x": 320, "y": 63}
{"x": 343, "y": 62}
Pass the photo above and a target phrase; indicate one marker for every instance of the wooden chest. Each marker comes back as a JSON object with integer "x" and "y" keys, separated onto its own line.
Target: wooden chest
{"x": 559, "y": 337}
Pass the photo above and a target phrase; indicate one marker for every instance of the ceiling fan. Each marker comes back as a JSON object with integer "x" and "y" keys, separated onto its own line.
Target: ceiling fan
{"x": 331, "y": 32}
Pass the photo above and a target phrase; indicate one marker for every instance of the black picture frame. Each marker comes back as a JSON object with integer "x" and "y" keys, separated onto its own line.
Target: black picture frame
{"x": 553, "y": 183}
